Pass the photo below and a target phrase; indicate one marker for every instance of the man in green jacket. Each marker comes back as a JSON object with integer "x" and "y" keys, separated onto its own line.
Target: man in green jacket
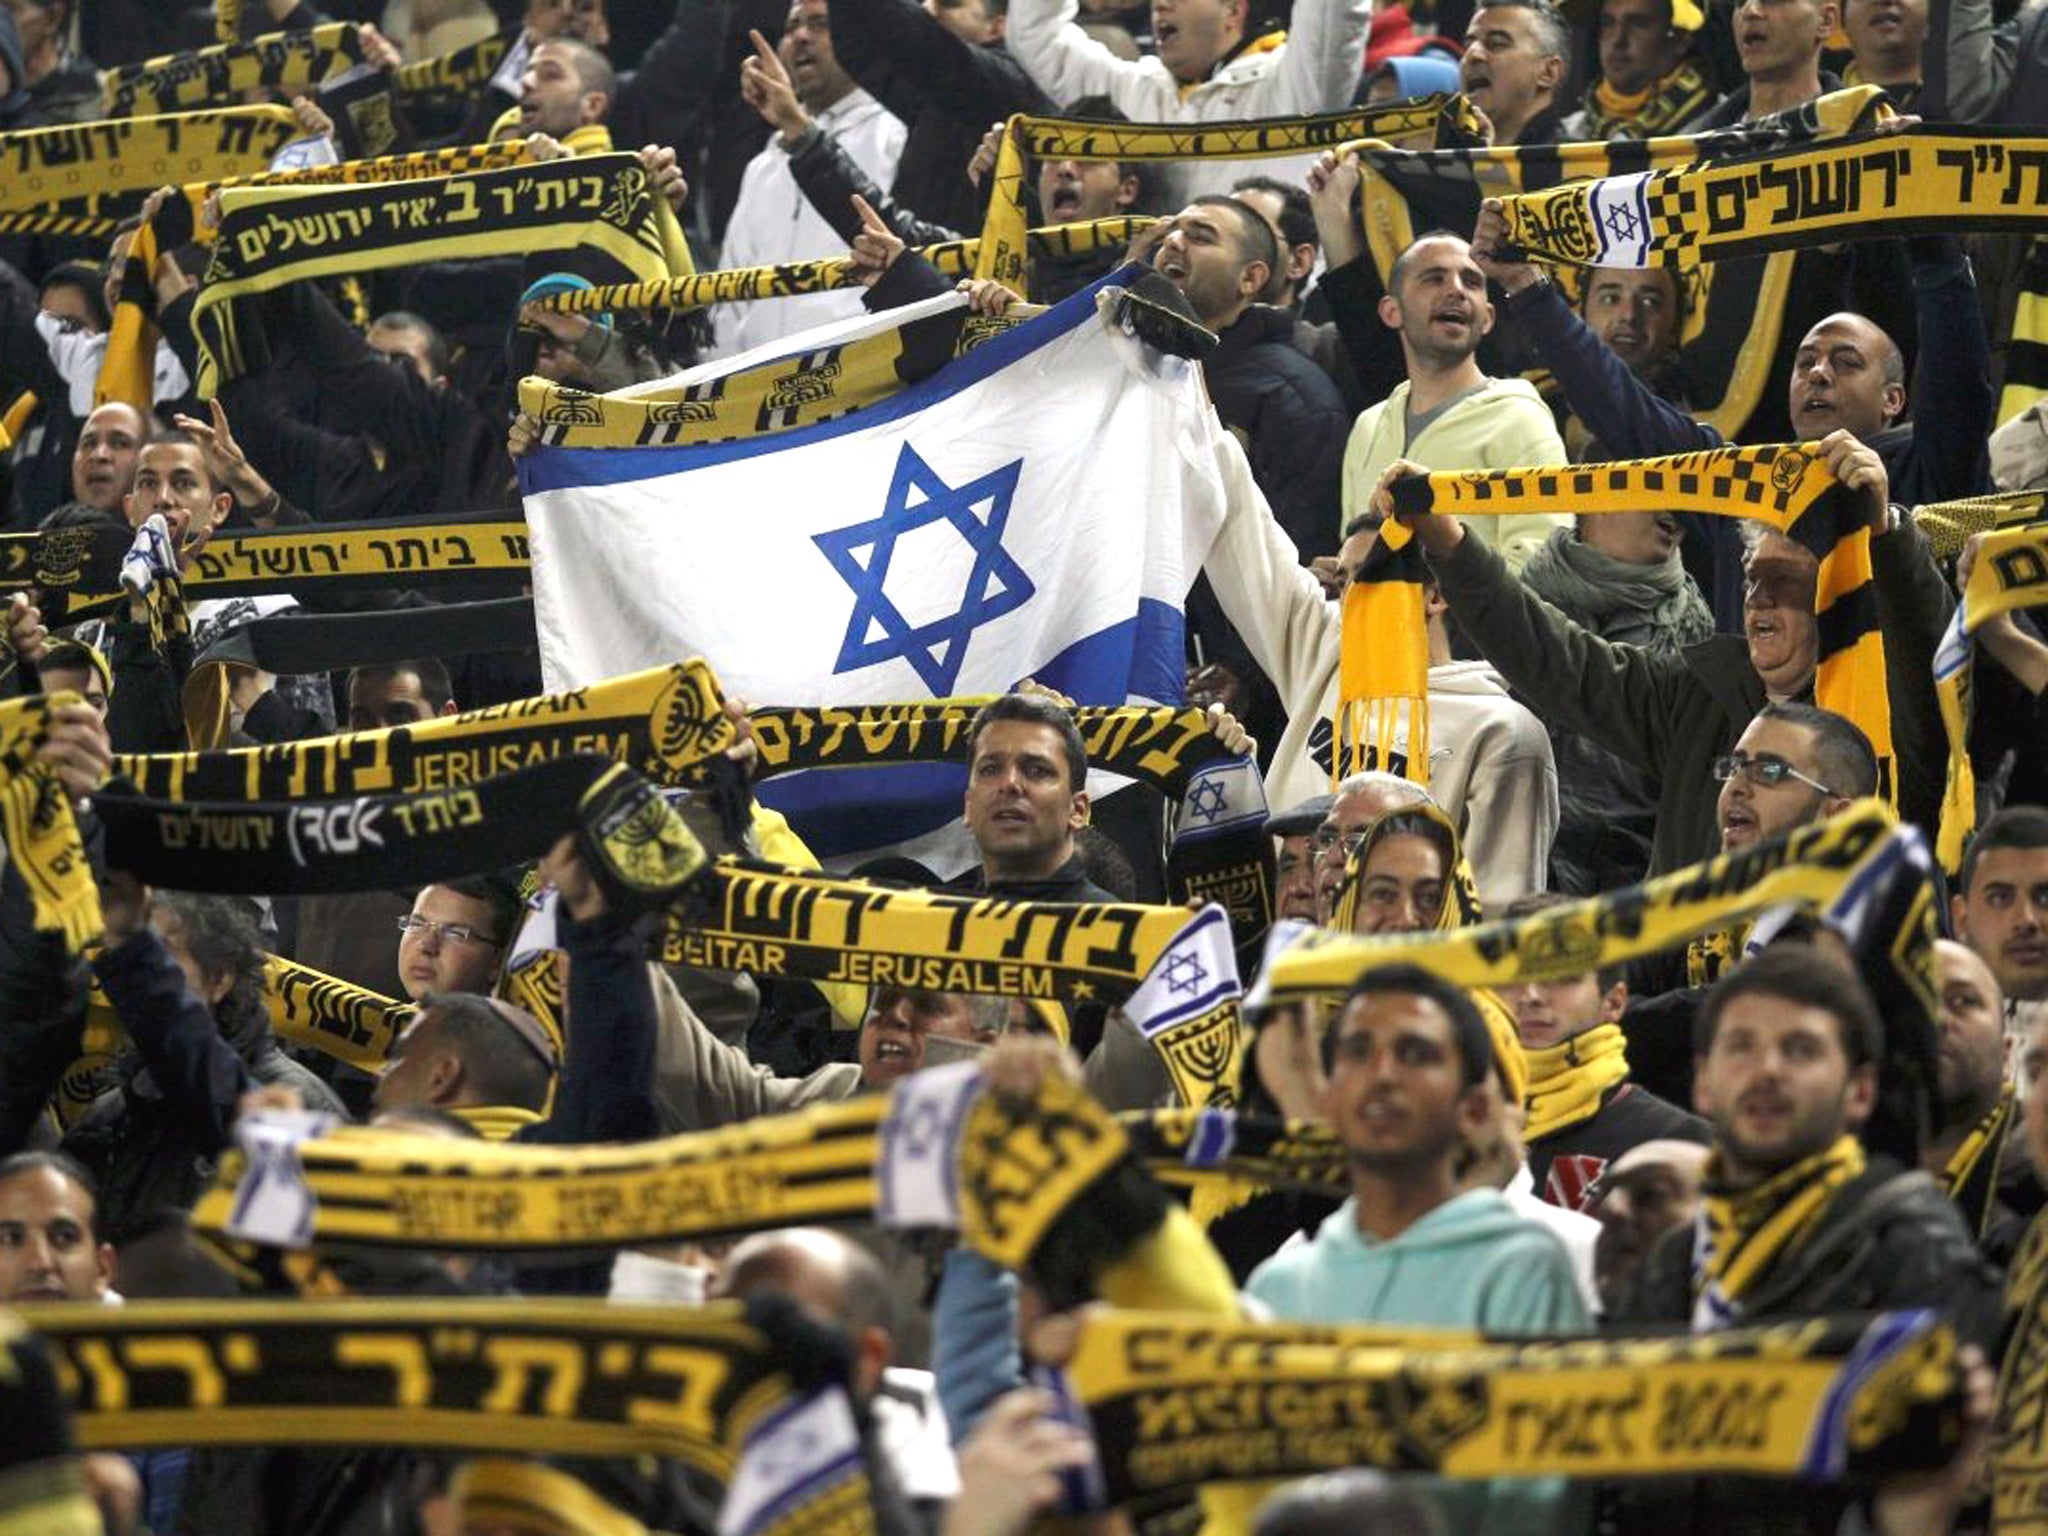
{"x": 1673, "y": 714}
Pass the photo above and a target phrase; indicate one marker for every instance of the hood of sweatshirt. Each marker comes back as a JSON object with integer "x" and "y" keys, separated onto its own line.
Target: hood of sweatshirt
{"x": 1472, "y": 678}
{"x": 1474, "y": 1218}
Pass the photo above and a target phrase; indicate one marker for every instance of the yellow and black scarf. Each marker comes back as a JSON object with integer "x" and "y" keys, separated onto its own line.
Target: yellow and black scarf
{"x": 1178, "y": 1403}
{"x": 1004, "y": 252}
{"x": 1808, "y": 867}
{"x": 1933, "y": 179}
{"x": 1383, "y": 664}
{"x": 822, "y": 274}
{"x": 1788, "y": 487}
{"x": 1947, "y": 525}
{"x": 41, "y": 835}
{"x": 710, "y": 1386}
{"x": 601, "y": 211}
{"x": 1742, "y": 1233}
{"x": 2011, "y": 573}
{"x": 54, "y": 167}
{"x": 1970, "y": 1177}
{"x": 482, "y": 550}
{"x": 2019, "y": 1433}
{"x": 452, "y": 79}
{"x": 667, "y": 722}
{"x": 533, "y": 1499}
{"x": 1662, "y": 107}
{"x": 277, "y": 61}
{"x": 1733, "y": 313}
{"x": 1570, "y": 1081}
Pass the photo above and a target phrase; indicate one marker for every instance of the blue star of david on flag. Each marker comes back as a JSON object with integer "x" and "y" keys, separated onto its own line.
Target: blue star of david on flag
{"x": 1185, "y": 974}
{"x": 1208, "y": 800}
{"x": 997, "y": 585}
{"x": 1622, "y": 223}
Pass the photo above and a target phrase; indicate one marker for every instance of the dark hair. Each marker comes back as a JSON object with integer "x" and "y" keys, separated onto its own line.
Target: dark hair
{"x": 1297, "y": 215}
{"x": 220, "y": 935}
{"x": 1468, "y": 1030}
{"x": 1841, "y": 751}
{"x": 65, "y": 1167}
{"x": 1796, "y": 973}
{"x": 2017, "y": 826}
{"x": 175, "y": 435}
{"x": 406, "y": 320}
{"x": 501, "y": 1066}
{"x": 1545, "y": 901}
{"x": 76, "y": 514}
{"x": 1100, "y": 109}
{"x": 436, "y": 687}
{"x": 1552, "y": 32}
{"x": 1399, "y": 269}
{"x": 1296, "y": 218}
{"x": 1358, "y": 1502}
{"x": 1412, "y": 821}
{"x": 1034, "y": 709}
{"x": 499, "y": 892}
{"x": 1255, "y": 241}
{"x": 86, "y": 279}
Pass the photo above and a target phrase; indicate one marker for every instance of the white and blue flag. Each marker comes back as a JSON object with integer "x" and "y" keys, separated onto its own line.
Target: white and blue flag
{"x": 1037, "y": 508}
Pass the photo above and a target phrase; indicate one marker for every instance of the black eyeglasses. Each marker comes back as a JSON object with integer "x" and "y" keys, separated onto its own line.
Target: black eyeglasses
{"x": 1762, "y": 770}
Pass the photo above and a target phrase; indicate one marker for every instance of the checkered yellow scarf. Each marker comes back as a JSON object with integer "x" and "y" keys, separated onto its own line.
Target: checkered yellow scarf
{"x": 1931, "y": 179}
{"x": 1786, "y": 486}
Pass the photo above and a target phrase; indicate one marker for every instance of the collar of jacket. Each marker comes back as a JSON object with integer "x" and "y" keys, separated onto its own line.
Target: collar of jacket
{"x": 1067, "y": 883}
{"x": 1248, "y": 61}
{"x": 1258, "y": 324}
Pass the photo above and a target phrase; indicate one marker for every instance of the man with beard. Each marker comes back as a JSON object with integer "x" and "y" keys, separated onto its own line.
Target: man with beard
{"x": 1448, "y": 414}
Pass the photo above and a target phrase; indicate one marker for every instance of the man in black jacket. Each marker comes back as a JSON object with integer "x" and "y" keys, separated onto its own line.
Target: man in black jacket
{"x": 1846, "y": 371}
{"x": 1798, "y": 1221}
{"x": 1027, "y": 798}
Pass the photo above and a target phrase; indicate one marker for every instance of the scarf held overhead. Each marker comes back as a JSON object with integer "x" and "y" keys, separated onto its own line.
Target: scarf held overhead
{"x": 286, "y": 61}
{"x": 667, "y": 722}
{"x": 1788, "y": 487}
{"x": 1004, "y": 247}
{"x": 1178, "y": 1403}
{"x": 1383, "y": 664}
{"x": 2011, "y": 573}
{"x": 1809, "y": 867}
{"x": 41, "y": 835}
{"x": 601, "y": 211}
{"x": 705, "y": 1385}
{"x": 42, "y": 166}
{"x": 1925, "y": 179}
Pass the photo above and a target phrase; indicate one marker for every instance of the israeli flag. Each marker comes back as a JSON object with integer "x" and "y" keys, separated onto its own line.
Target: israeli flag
{"x": 1037, "y": 508}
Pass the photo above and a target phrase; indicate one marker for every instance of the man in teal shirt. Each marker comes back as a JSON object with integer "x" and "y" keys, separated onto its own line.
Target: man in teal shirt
{"x": 1407, "y": 1065}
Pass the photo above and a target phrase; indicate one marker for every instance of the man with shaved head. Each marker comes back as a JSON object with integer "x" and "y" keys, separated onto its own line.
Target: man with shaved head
{"x": 838, "y": 1283}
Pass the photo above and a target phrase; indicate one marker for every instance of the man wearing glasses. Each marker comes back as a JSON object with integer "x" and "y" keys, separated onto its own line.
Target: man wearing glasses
{"x": 1678, "y": 714}
{"x": 454, "y": 938}
{"x": 1796, "y": 764}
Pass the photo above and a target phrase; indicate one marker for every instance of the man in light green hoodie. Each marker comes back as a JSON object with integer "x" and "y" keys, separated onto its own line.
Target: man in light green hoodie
{"x": 1407, "y": 1065}
{"x": 1448, "y": 413}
